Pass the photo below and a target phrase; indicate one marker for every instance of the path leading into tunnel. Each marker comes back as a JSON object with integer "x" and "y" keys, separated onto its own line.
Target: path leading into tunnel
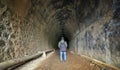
{"x": 74, "y": 62}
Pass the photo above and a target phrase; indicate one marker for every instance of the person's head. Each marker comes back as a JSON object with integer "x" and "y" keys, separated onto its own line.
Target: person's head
{"x": 62, "y": 39}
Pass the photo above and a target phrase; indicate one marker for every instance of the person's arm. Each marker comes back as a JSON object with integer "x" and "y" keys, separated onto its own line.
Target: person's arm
{"x": 59, "y": 44}
{"x": 66, "y": 44}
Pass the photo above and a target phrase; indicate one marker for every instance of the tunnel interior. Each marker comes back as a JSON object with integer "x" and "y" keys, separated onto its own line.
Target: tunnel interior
{"x": 90, "y": 27}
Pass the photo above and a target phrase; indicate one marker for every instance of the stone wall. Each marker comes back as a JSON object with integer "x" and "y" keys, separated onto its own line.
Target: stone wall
{"x": 99, "y": 41}
{"x": 26, "y": 28}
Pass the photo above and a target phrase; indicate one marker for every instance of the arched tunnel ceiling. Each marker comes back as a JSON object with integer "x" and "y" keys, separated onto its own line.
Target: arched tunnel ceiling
{"x": 69, "y": 15}
{"x": 55, "y": 17}
{"x": 29, "y": 26}
{"x": 51, "y": 19}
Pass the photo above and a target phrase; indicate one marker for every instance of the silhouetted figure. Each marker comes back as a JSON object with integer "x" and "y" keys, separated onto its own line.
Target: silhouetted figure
{"x": 63, "y": 47}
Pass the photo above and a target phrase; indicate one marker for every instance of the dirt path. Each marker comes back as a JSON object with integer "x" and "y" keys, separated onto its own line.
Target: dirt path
{"x": 73, "y": 62}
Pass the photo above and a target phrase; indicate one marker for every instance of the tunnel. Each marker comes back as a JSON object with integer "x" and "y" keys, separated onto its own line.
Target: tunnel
{"x": 90, "y": 27}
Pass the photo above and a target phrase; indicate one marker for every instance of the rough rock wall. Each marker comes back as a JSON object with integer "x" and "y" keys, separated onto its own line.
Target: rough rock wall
{"x": 100, "y": 40}
{"x": 26, "y": 27}
{"x": 92, "y": 40}
{"x": 113, "y": 34}
{"x": 6, "y": 35}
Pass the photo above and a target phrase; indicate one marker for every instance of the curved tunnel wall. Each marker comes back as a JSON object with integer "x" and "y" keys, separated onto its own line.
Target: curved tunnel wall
{"x": 100, "y": 39}
{"x": 26, "y": 27}
{"x": 29, "y": 26}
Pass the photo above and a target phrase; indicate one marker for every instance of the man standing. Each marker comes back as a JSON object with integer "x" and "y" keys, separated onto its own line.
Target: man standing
{"x": 63, "y": 46}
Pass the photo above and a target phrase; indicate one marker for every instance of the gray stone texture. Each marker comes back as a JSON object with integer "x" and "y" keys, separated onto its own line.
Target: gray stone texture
{"x": 25, "y": 31}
